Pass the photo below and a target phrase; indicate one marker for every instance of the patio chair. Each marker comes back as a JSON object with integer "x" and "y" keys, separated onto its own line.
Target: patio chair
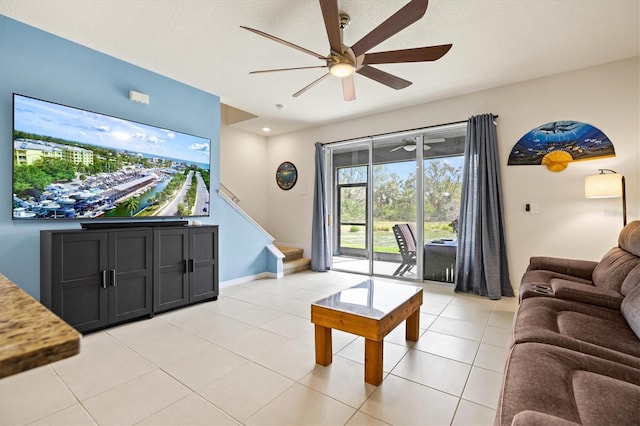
{"x": 407, "y": 246}
{"x": 414, "y": 233}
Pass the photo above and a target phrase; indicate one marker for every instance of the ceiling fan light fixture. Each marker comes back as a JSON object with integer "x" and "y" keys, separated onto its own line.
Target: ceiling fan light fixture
{"x": 343, "y": 61}
{"x": 342, "y": 69}
{"x": 409, "y": 148}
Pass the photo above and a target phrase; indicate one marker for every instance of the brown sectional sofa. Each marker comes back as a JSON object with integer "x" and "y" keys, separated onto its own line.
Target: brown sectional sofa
{"x": 575, "y": 355}
{"x": 603, "y": 283}
{"x": 577, "y": 326}
{"x": 551, "y": 385}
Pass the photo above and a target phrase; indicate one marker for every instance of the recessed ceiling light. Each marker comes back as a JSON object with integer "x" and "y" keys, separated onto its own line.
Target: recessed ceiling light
{"x": 266, "y": 129}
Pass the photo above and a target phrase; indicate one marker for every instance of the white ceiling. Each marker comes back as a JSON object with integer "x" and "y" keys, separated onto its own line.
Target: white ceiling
{"x": 200, "y": 43}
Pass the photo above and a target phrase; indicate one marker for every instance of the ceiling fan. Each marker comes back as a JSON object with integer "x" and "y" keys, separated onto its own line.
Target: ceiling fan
{"x": 410, "y": 144}
{"x": 343, "y": 61}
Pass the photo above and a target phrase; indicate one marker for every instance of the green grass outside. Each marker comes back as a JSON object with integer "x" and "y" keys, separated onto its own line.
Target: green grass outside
{"x": 383, "y": 239}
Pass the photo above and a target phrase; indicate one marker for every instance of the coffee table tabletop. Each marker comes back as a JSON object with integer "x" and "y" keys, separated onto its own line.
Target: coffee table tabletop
{"x": 30, "y": 334}
{"x": 371, "y": 309}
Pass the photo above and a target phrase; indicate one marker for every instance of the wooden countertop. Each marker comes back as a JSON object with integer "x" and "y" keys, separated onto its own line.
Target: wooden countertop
{"x": 30, "y": 334}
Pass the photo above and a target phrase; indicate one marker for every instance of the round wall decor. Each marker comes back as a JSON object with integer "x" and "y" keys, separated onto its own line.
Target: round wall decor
{"x": 286, "y": 175}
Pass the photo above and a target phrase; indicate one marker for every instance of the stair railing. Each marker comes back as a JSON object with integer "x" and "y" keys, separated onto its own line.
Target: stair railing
{"x": 236, "y": 207}
{"x": 229, "y": 193}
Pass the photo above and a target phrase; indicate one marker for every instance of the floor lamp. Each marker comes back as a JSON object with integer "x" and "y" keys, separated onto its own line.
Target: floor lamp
{"x": 607, "y": 184}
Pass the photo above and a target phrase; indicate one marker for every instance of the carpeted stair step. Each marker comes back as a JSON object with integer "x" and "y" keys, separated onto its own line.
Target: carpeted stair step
{"x": 290, "y": 253}
{"x": 296, "y": 265}
{"x": 293, "y": 261}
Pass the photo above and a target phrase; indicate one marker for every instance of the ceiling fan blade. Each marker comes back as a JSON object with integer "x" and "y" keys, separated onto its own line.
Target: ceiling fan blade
{"x": 286, "y": 43}
{"x": 384, "y": 77}
{"x": 396, "y": 148}
{"x": 309, "y": 86}
{"x": 419, "y": 54}
{"x": 348, "y": 88}
{"x": 287, "y": 69}
{"x": 332, "y": 23}
{"x": 410, "y": 13}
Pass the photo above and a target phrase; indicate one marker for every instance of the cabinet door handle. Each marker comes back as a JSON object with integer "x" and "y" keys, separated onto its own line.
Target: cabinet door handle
{"x": 192, "y": 265}
{"x": 104, "y": 279}
{"x": 186, "y": 266}
{"x": 113, "y": 277}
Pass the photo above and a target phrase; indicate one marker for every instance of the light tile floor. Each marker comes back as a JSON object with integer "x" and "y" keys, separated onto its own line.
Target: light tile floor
{"x": 248, "y": 358}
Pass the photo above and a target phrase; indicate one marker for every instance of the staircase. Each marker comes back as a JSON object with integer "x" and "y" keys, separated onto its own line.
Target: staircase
{"x": 293, "y": 261}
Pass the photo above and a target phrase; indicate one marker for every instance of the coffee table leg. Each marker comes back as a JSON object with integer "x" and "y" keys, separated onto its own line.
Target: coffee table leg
{"x": 373, "y": 361}
{"x": 413, "y": 326}
{"x": 324, "y": 350}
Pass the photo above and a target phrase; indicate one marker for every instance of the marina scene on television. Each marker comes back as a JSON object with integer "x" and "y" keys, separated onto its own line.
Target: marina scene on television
{"x": 70, "y": 163}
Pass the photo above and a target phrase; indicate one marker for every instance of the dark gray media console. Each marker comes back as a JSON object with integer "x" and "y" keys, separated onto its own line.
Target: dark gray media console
{"x": 97, "y": 278}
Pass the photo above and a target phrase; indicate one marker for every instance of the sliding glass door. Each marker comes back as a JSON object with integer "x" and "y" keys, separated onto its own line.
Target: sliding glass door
{"x": 442, "y": 182}
{"x": 394, "y": 200}
{"x": 350, "y": 194}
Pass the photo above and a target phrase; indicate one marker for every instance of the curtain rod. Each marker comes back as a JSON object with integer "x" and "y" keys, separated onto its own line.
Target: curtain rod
{"x": 402, "y": 131}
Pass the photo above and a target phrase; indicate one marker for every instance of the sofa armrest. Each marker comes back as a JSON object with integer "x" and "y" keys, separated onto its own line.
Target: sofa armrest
{"x": 572, "y": 267}
{"x": 599, "y": 296}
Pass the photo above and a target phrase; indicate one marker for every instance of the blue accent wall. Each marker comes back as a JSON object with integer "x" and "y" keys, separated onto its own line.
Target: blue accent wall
{"x": 38, "y": 64}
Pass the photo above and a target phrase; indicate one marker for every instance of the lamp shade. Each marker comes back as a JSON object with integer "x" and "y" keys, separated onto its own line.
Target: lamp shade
{"x": 603, "y": 185}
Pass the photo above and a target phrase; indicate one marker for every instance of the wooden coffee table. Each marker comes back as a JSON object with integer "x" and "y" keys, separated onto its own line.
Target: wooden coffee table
{"x": 371, "y": 310}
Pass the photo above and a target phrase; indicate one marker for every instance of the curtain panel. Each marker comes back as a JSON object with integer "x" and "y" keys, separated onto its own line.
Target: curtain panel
{"x": 320, "y": 261}
{"x": 482, "y": 266}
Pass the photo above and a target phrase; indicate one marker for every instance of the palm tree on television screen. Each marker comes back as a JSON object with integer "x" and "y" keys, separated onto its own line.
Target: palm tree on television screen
{"x": 131, "y": 204}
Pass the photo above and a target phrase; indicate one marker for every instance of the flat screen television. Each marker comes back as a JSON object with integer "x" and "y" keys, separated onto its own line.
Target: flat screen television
{"x": 69, "y": 163}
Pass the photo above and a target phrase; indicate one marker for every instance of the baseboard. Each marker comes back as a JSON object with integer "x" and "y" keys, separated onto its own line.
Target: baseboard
{"x": 248, "y": 278}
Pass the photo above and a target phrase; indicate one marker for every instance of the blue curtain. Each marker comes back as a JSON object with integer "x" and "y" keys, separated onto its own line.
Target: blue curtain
{"x": 320, "y": 260}
{"x": 482, "y": 254}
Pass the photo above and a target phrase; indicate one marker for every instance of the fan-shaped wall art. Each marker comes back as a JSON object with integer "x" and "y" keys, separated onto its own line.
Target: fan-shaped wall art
{"x": 558, "y": 143}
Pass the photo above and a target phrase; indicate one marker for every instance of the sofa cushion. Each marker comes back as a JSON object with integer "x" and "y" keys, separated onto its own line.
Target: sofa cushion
{"x": 603, "y": 400}
{"x": 632, "y": 281}
{"x": 614, "y": 268}
{"x": 577, "y": 326}
{"x": 629, "y": 238}
{"x": 631, "y": 310}
{"x": 536, "y": 418}
{"x": 575, "y": 387}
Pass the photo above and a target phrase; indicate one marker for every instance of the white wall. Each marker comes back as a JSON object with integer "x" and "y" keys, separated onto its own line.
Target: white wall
{"x": 243, "y": 168}
{"x": 568, "y": 225}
